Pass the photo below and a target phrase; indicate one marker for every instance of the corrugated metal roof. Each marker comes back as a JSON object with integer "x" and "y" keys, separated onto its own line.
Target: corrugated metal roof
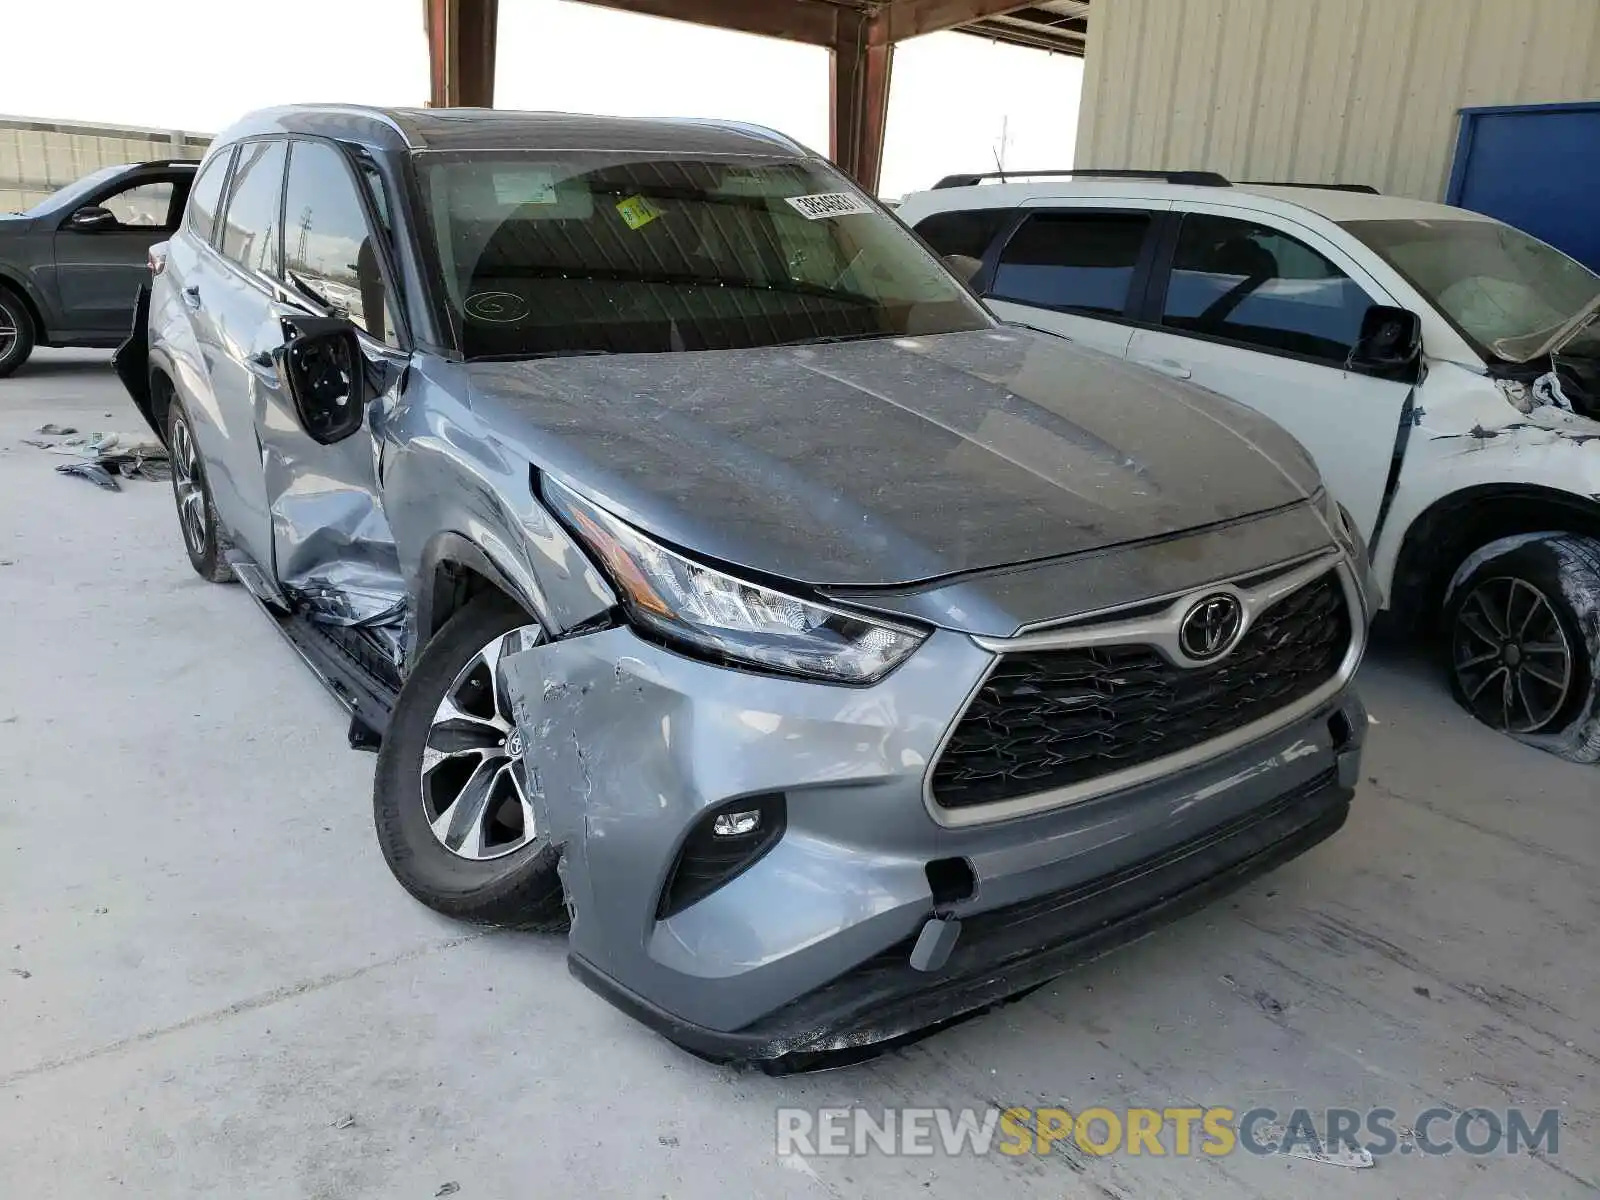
{"x": 1060, "y": 26}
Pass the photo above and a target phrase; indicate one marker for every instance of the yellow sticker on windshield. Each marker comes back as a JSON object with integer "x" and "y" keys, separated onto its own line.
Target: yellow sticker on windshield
{"x": 637, "y": 212}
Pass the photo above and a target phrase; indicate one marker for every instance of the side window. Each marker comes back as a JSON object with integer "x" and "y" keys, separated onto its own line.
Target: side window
{"x": 330, "y": 253}
{"x": 1248, "y": 283}
{"x": 964, "y": 234}
{"x": 251, "y": 224}
{"x": 146, "y": 205}
{"x": 206, "y": 195}
{"x": 963, "y": 238}
{"x": 1083, "y": 262}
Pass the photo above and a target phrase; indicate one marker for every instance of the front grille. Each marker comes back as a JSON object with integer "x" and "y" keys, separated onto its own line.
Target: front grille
{"x": 1048, "y": 719}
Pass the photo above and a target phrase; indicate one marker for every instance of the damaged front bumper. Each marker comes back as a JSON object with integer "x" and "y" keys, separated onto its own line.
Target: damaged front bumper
{"x": 856, "y": 917}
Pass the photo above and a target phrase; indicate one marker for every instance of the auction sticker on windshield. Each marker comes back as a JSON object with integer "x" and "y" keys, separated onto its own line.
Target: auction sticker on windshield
{"x": 828, "y": 204}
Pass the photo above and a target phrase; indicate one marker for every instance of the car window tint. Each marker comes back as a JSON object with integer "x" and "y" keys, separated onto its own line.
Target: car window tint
{"x": 967, "y": 234}
{"x": 1080, "y": 261}
{"x": 1248, "y": 283}
{"x": 205, "y": 195}
{"x": 143, "y": 206}
{"x": 640, "y": 253}
{"x": 250, "y": 223}
{"x": 329, "y": 250}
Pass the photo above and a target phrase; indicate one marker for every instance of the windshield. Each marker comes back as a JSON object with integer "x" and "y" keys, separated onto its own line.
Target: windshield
{"x": 1494, "y": 283}
{"x": 574, "y": 253}
{"x": 86, "y": 184}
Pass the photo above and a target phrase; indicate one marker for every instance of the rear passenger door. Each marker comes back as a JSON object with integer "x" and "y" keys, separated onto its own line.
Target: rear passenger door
{"x": 1073, "y": 269}
{"x": 1266, "y": 312}
{"x": 230, "y": 298}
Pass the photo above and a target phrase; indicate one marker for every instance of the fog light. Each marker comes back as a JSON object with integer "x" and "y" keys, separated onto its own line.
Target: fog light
{"x": 736, "y": 824}
{"x": 720, "y": 845}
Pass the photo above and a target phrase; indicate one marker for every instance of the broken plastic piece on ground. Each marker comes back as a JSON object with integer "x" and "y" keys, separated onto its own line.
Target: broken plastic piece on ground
{"x": 109, "y": 455}
{"x": 56, "y": 430}
{"x": 93, "y": 472}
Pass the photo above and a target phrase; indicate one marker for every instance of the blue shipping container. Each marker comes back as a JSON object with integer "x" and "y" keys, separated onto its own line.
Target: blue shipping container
{"x": 1535, "y": 166}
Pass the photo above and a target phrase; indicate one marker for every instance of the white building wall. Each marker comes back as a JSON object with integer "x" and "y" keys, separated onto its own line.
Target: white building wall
{"x": 1351, "y": 91}
{"x": 37, "y": 157}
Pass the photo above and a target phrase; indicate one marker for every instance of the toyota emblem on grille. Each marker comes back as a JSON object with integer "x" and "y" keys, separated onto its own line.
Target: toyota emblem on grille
{"x": 1209, "y": 629}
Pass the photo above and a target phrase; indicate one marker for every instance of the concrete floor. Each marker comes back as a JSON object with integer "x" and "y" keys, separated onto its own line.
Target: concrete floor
{"x": 205, "y": 968}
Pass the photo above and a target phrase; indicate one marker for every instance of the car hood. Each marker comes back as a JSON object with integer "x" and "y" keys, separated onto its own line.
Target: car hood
{"x": 895, "y": 460}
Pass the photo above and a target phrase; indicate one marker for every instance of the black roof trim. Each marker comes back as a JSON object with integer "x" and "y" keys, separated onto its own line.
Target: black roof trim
{"x": 1195, "y": 178}
{"x": 1364, "y": 188}
{"x": 506, "y": 129}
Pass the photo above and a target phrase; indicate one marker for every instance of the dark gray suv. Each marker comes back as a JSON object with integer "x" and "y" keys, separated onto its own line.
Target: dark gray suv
{"x": 706, "y": 564}
{"x": 71, "y": 265}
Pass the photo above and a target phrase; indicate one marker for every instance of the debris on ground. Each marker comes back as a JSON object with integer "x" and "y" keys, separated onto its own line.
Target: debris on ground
{"x": 107, "y": 458}
{"x": 1313, "y": 1148}
{"x": 447, "y": 1189}
{"x": 1268, "y": 1003}
{"x": 21, "y": 974}
{"x": 345, "y": 1122}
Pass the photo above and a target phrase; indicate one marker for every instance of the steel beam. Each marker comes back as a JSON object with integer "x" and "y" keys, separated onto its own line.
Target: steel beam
{"x": 461, "y": 52}
{"x": 809, "y": 21}
{"x": 858, "y": 95}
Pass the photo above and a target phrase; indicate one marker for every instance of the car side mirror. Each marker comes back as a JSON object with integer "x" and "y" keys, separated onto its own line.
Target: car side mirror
{"x": 1390, "y": 343}
{"x": 91, "y": 218}
{"x": 963, "y": 266}
{"x": 322, "y": 368}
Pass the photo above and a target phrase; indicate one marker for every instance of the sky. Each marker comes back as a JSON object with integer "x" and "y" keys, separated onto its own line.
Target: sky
{"x": 198, "y": 64}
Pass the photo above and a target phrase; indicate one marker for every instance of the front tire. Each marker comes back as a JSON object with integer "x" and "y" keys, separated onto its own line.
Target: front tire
{"x": 451, "y": 805}
{"x": 16, "y": 332}
{"x": 1523, "y": 632}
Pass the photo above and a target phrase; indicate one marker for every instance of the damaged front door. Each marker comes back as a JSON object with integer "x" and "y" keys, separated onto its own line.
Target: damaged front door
{"x": 333, "y": 552}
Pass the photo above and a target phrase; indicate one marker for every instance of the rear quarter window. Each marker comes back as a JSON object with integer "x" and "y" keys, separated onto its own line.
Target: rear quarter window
{"x": 206, "y": 194}
{"x": 968, "y": 234}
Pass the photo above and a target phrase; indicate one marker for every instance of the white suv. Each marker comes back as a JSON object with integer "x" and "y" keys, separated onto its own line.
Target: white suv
{"x": 1443, "y": 369}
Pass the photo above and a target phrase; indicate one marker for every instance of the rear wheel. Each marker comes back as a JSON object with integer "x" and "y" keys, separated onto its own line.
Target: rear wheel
{"x": 197, "y": 515}
{"x": 1524, "y": 643}
{"x": 451, "y": 802}
{"x": 16, "y": 332}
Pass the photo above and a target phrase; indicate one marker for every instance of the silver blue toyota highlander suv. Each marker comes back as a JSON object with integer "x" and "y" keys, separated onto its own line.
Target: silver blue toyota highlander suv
{"x": 705, "y": 564}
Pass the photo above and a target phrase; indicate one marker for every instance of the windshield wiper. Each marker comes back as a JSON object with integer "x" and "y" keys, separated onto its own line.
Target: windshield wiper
{"x": 825, "y": 338}
{"x": 525, "y": 355}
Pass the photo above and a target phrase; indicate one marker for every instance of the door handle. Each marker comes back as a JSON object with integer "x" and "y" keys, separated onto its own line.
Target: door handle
{"x": 191, "y": 296}
{"x": 1166, "y": 366}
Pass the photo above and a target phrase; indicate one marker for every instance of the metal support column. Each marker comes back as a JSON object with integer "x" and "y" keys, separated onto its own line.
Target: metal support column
{"x": 461, "y": 52}
{"x": 858, "y": 95}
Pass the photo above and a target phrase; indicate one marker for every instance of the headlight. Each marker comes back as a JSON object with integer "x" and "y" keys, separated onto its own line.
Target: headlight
{"x": 715, "y": 613}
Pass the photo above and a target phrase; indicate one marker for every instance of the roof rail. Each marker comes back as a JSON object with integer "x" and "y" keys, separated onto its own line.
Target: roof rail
{"x": 1196, "y": 178}
{"x": 168, "y": 162}
{"x": 1364, "y": 188}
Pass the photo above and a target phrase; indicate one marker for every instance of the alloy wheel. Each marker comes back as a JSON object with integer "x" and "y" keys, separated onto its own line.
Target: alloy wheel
{"x": 187, "y": 487}
{"x": 8, "y": 331}
{"x": 1513, "y": 660}
{"x": 474, "y": 784}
